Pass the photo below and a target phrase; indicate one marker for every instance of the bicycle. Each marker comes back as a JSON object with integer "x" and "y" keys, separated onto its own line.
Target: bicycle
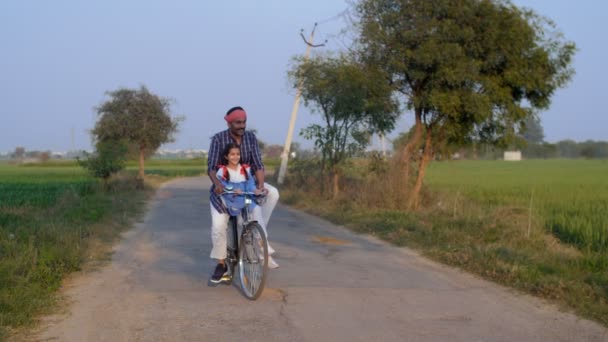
{"x": 247, "y": 252}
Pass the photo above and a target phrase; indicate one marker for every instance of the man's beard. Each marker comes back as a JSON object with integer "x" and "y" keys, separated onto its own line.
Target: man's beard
{"x": 240, "y": 131}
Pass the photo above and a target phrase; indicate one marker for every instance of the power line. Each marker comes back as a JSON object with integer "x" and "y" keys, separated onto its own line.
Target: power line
{"x": 341, "y": 14}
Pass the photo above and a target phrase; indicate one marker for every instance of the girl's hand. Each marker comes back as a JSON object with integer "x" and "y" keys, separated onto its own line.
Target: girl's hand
{"x": 238, "y": 191}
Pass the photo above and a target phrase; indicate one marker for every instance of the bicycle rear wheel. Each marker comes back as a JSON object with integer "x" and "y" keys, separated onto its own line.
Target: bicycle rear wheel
{"x": 253, "y": 260}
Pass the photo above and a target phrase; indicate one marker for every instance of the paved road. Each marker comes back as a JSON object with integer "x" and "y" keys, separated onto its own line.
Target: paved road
{"x": 332, "y": 285}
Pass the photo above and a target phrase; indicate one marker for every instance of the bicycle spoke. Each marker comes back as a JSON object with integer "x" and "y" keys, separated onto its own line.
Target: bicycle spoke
{"x": 252, "y": 260}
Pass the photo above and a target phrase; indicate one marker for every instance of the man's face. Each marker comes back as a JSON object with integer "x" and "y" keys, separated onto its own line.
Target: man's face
{"x": 237, "y": 127}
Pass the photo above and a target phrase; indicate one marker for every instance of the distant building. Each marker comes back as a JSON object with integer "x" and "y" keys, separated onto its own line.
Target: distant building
{"x": 181, "y": 154}
{"x": 512, "y": 155}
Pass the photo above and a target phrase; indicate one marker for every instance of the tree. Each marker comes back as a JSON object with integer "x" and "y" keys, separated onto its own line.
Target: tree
{"x": 568, "y": 149}
{"x": 138, "y": 117}
{"x": 532, "y": 139}
{"x": 109, "y": 158}
{"x": 470, "y": 70}
{"x": 44, "y": 156}
{"x": 19, "y": 153}
{"x": 593, "y": 149}
{"x": 273, "y": 151}
{"x": 353, "y": 101}
{"x": 532, "y": 130}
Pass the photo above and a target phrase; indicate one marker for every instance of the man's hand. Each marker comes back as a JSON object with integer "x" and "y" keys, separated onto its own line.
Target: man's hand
{"x": 219, "y": 188}
{"x": 261, "y": 191}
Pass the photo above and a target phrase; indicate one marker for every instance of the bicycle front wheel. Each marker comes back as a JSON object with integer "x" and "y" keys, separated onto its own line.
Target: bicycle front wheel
{"x": 253, "y": 260}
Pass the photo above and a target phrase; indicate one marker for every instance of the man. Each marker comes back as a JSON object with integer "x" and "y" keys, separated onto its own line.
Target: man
{"x": 236, "y": 118}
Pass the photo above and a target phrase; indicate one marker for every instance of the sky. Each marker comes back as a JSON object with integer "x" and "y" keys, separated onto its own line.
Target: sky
{"x": 59, "y": 58}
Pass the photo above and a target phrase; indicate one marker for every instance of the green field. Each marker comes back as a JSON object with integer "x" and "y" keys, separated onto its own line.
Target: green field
{"x": 568, "y": 198}
{"x": 53, "y": 217}
{"x": 172, "y": 168}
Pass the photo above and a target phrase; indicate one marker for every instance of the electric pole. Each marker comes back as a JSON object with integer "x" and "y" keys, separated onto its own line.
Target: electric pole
{"x": 294, "y": 110}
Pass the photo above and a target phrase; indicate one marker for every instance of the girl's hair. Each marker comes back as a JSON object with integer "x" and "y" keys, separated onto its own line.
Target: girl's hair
{"x": 224, "y": 161}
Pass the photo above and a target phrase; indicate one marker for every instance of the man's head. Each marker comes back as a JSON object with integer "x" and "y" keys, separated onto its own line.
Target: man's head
{"x": 236, "y": 117}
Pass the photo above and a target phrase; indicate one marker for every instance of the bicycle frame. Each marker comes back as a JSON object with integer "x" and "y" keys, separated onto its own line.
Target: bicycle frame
{"x": 234, "y": 225}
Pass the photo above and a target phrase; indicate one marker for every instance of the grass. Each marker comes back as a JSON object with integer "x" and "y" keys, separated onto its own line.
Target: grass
{"x": 185, "y": 167}
{"x": 569, "y": 198}
{"x": 538, "y": 226}
{"x": 171, "y": 168}
{"x": 53, "y": 219}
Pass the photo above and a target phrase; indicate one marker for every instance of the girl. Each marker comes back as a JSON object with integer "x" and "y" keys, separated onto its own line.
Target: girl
{"x": 237, "y": 175}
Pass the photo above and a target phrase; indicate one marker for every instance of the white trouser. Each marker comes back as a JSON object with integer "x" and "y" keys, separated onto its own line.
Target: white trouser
{"x": 271, "y": 201}
{"x": 219, "y": 223}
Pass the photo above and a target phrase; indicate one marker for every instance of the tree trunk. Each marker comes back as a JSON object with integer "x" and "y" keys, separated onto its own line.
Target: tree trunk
{"x": 322, "y": 177}
{"x": 140, "y": 175}
{"x": 409, "y": 150}
{"x": 426, "y": 158}
{"x": 336, "y": 183}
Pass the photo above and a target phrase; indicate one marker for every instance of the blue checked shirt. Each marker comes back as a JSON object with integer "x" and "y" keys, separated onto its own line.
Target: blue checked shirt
{"x": 250, "y": 155}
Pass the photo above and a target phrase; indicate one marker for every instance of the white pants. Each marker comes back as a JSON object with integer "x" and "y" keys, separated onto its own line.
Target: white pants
{"x": 219, "y": 222}
{"x": 271, "y": 201}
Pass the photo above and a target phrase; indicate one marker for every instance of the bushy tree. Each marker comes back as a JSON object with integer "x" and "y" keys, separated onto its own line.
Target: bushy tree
{"x": 138, "y": 117}
{"x": 470, "y": 70}
{"x": 353, "y": 101}
{"x": 109, "y": 158}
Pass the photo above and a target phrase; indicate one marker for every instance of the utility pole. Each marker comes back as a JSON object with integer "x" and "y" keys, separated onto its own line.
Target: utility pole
{"x": 294, "y": 110}
{"x": 383, "y": 145}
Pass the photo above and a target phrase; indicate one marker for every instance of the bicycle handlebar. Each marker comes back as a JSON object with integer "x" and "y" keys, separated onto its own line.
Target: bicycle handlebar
{"x": 242, "y": 193}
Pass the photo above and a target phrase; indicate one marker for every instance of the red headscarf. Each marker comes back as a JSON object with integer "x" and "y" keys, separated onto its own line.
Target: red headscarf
{"x": 237, "y": 114}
